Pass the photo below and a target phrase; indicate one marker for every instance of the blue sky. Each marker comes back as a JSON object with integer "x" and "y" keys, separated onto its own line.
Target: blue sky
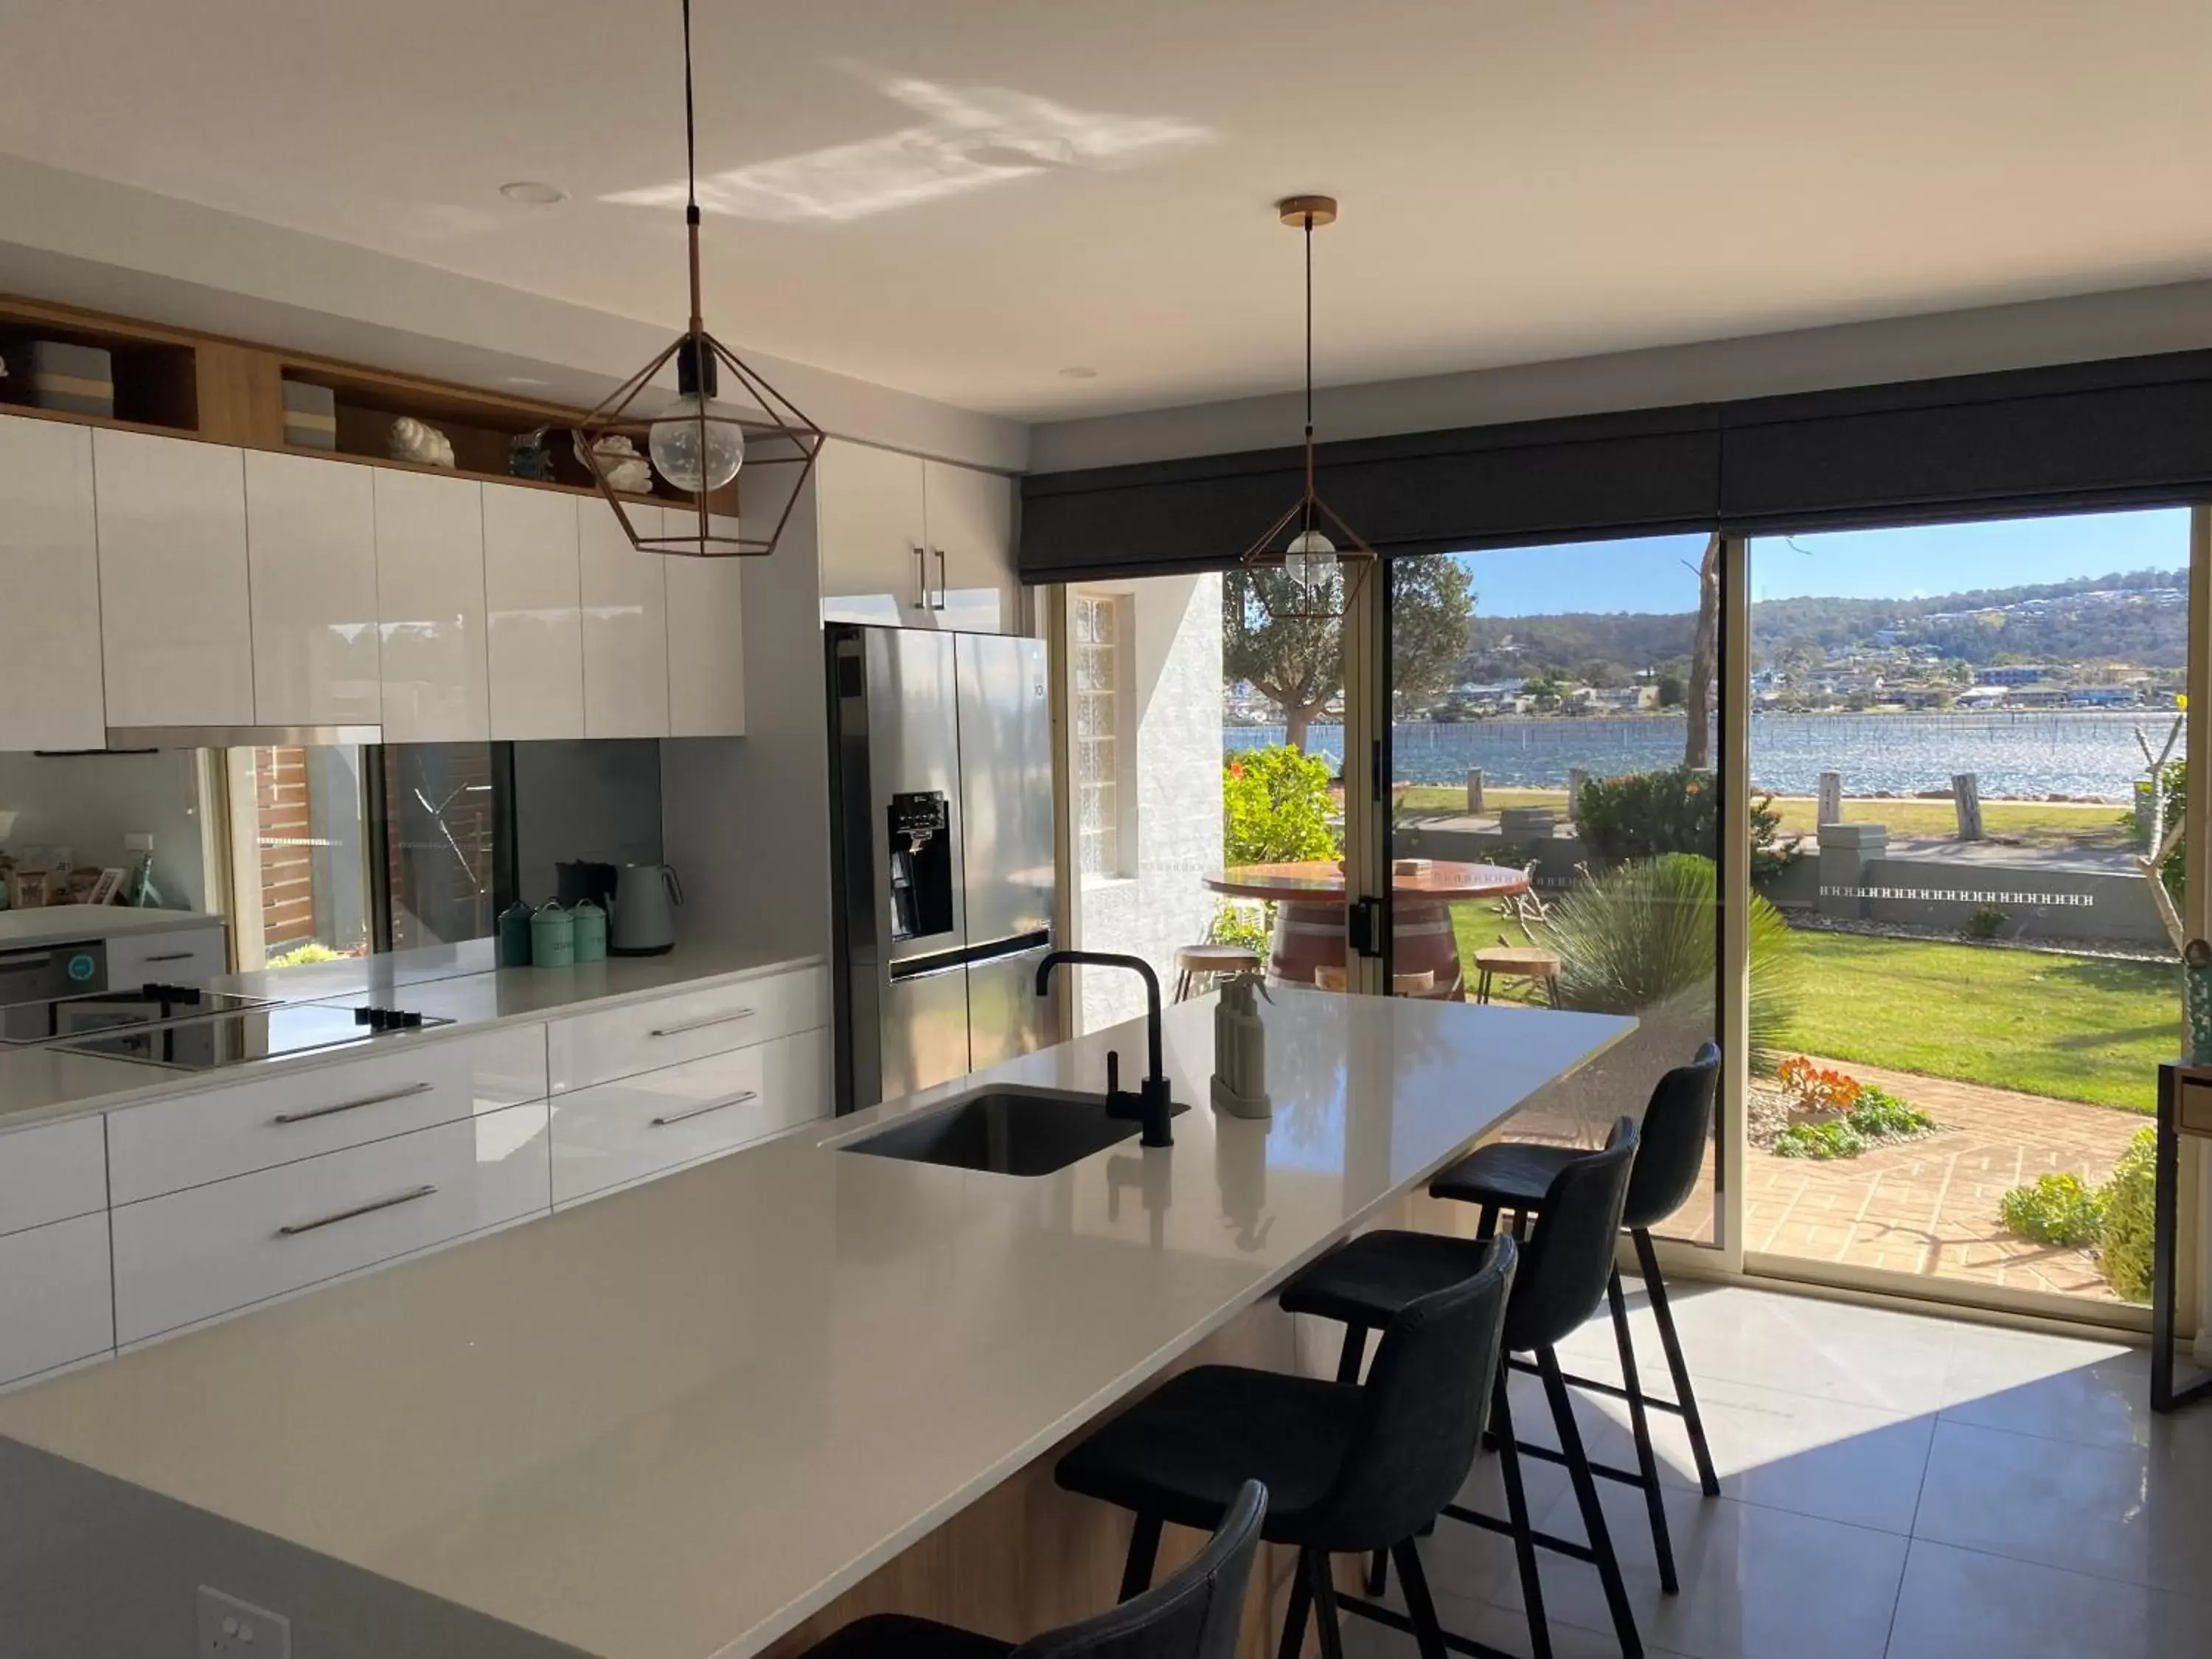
{"x": 1659, "y": 574}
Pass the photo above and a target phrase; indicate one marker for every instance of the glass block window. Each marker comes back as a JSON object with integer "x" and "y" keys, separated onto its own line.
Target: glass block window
{"x": 1096, "y": 624}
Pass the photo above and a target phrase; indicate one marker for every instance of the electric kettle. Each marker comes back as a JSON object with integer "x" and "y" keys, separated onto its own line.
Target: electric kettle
{"x": 645, "y": 900}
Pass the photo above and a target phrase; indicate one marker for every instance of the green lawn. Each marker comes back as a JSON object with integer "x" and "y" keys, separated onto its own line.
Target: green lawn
{"x": 2063, "y": 1026}
{"x": 2030, "y": 822}
{"x": 2068, "y": 1027}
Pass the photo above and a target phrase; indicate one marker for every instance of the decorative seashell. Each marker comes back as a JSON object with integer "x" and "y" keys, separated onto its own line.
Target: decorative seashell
{"x": 417, "y": 441}
{"x": 621, "y": 465}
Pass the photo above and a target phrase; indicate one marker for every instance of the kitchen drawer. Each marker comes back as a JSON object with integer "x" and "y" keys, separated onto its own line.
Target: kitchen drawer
{"x": 644, "y": 1036}
{"x": 183, "y": 956}
{"x": 50, "y": 1173}
{"x": 614, "y": 1134}
{"x": 191, "y": 1139}
{"x": 55, "y": 1301}
{"x": 193, "y": 1255}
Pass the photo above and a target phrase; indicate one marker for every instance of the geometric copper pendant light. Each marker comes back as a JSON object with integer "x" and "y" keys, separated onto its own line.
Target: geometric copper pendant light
{"x": 1310, "y": 539}
{"x": 696, "y": 446}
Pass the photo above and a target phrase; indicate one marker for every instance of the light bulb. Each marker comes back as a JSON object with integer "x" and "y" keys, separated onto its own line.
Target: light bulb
{"x": 677, "y": 452}
{"x": 1309, "y": 560}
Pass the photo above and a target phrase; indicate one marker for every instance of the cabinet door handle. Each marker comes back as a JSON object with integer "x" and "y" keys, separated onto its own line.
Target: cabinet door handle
{"x": 940, "y": 605}
{"x": 314, "y": 1112}
{"x": 921, "y": 578}
{"x": 294, "y": 1229}
{"x": 689, "y": 1112}
{"x": 170, "y": 955}
{"x": 702, "y": 1024}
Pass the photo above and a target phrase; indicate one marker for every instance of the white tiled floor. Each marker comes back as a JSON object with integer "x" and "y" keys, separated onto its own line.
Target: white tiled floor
{"x": 1892, "y": 1487}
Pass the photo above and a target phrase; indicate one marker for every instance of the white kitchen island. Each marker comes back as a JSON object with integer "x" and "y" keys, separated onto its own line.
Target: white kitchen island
{"x": 675, "y": 1423}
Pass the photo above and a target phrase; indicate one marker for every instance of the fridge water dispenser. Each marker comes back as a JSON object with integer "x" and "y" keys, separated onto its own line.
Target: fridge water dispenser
{"x": 921, "y": 865}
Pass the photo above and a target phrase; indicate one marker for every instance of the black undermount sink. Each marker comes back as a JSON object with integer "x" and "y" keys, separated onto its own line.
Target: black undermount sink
{"x": 1006, "y": 1130}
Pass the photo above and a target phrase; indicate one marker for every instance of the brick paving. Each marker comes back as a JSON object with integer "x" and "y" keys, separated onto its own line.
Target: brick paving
{"x": 1927, "y": 1207}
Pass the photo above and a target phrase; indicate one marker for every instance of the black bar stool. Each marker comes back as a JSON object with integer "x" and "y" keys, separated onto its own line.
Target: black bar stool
{"x": 1562, "y": 1280}
{"x": 1350, "y": 1469}
{"x": 1195, "y": 1615}
{"x": 1513, "y": 1175}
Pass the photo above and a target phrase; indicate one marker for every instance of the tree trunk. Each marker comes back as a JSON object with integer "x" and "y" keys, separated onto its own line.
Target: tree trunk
{"x": 1296, "y": 720}
{"x": 1697, "y": 686}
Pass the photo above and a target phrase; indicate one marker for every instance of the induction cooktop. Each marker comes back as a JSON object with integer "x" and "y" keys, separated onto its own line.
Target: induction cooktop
{"x": 85, "y": 1012}
{"x": 263, "y": 1033}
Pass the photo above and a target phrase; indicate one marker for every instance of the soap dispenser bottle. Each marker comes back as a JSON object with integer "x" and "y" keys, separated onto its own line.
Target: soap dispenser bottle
{"x": 1240, "y": 1050}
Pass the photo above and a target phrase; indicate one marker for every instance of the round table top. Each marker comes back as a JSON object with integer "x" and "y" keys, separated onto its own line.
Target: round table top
{"x": 1321, "y": 881}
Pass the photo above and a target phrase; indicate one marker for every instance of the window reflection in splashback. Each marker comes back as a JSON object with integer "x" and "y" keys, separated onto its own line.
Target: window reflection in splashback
{"x": 594, "y": 799}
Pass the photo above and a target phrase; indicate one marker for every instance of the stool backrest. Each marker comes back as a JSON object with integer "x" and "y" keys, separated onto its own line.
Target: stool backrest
{"x": 1671, "y": 1153}
{"x": 1194, "y": 1615}
{"x": 1422, "y": 1410}
{"x": 1569, "y": 1255}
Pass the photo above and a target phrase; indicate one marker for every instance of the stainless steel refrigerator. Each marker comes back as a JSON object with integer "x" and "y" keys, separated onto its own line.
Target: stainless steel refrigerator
{"x": 942, "y": 849}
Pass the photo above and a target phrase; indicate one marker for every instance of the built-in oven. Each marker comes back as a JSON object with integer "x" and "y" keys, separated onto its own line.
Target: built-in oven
{"x": 34, "y": 974}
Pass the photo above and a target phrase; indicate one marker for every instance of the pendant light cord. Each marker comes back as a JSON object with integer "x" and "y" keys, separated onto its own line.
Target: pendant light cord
{"x": 691, "y": 184}
{"x": 1310, "y": 449}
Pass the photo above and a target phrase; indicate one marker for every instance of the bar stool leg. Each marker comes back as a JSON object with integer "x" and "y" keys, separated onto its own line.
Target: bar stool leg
{"x": 1354, "y": 1352}
{"x": 1428, "y": 1634}
{"x": 1182, "y": 985}
{"x": 1325, "y": 1614}
{"x": 1639, "y": 1424}
{"x": 1585, "y": 1485}
{"x": 1144, "y": 1550}
{"x": 1517, "y": 1512}
{"x": 1294, "y": 1617}
{"x": 1654, "y": 1291}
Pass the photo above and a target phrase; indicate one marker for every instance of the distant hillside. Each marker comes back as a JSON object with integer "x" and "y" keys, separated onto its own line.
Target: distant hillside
{"x": 2137, "y": 616}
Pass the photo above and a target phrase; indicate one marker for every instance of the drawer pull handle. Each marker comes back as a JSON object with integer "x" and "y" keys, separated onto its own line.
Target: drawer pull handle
{"x": 702, "y": 1024}
{"x": 169, "y": 956}
{"x": 314, "y": 1112}
{"x": 662, "y": 1122}
{"x": 294, "y": 1229}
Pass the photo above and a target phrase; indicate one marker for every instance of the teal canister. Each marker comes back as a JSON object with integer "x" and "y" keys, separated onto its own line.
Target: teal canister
{"x": 2197, "y": 1000}
{"x": 552, "y": 936}
{"x": 514, "y": 936}
{"x": 591, "y": 931}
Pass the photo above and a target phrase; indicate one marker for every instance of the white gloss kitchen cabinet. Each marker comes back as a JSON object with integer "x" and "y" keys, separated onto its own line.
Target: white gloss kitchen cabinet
{"x": 906, "y": 543}
{"x": 625, "y": 611}
{"x": 534, "y": 617}
{"x": 311, "y": 549}
{"x": 176, "y": 628}
{"x": 430, "y": 606}
{"x": 55, "y": 1302}
{"x": 176, "y": 955}
{"x": 706, "y": 640}
{"x": 50, "y": 675}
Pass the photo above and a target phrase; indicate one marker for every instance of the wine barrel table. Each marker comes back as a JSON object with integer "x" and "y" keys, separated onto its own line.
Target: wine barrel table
{"x": 1309, "y": 901}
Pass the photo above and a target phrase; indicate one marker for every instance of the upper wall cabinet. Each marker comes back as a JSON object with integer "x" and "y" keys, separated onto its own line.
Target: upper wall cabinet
{"x": 311, "y": 542}
{"x": 625, "y": 606}
{"x": 430, "y": 606}
{"x": 706, "y": 643}
{"x": 971, "y": 548}
{"x": 533, "y": 613}
{"x": 175, "y": 627}
{"x": 907, "y": 543}
{"x": 50, "y": 685}
{"x": 873, "y": 535}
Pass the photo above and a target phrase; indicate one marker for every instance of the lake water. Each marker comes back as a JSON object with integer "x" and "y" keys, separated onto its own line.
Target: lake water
{"x": 2019, "y": 754}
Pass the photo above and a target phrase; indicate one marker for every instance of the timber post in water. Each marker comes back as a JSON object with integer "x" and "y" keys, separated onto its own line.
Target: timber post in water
{"x": 1966, "y": 797}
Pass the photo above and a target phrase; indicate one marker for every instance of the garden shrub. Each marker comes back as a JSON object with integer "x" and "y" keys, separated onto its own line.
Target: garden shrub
{"x": 1987, "y": 921}
{"x": 1833, "y": 1140}
{"x": 1641, "y": 935}
{"x": 1239, "y": 924}
{"x": 2057, "y": 1209}
{"x": 2125, "y": 1257}
{"x": 1881, "y": 1116}
{"x": 1641, "y": 815}
{"x": 1275, "y": 808}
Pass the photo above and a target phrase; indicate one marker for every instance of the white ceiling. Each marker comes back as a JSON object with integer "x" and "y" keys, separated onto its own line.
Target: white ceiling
{"x": 961, "y": 200}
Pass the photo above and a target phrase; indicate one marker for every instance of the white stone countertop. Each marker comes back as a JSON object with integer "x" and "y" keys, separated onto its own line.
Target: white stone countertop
{"x": 673, "y": 1423}
{"x": 42, "y": 1084}
{"x": 63, "y": 924}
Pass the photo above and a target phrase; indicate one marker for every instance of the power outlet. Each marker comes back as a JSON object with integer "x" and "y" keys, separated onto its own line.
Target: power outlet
{"x": 232, "y": 1629}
